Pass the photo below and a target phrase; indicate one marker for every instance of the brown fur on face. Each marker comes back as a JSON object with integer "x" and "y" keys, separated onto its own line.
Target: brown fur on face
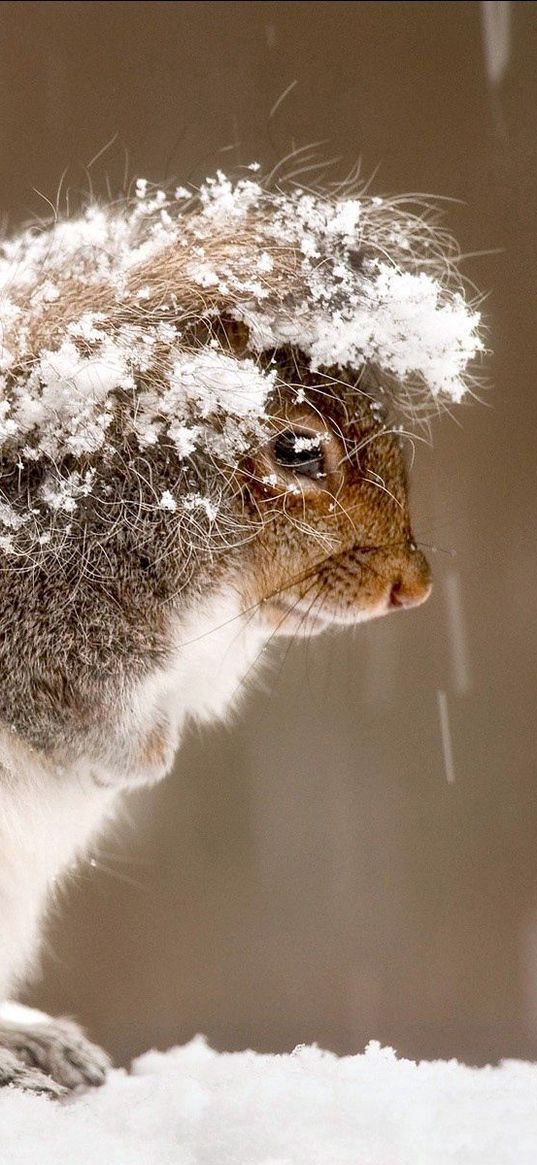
{"x": 337, "y": 550}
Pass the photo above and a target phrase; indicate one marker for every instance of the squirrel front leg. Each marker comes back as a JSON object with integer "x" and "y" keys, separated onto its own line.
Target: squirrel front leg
{"x": 46, "y": 820}
{"x": 48, "y": 815}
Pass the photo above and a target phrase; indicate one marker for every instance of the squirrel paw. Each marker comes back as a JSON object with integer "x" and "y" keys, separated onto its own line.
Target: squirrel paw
{"x": 53, "y": 1057}
{"x": 14, "y": 1073}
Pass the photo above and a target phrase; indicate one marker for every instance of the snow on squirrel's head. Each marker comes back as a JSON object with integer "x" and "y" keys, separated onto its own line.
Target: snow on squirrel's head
{"x": 201, "y": 381}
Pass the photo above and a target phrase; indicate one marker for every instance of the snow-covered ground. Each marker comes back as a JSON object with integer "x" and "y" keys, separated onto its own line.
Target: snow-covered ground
{"x": 194, "y": 1106}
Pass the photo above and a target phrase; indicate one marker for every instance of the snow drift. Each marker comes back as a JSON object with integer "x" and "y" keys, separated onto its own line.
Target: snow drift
{"x": 194, "y": 1106}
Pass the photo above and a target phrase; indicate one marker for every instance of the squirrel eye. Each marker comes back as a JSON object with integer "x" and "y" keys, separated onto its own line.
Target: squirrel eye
{"x": 300, "y": 452}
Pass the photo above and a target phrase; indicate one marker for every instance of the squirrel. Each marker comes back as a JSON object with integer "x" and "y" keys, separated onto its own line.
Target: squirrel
{"x": 197, "y": 457}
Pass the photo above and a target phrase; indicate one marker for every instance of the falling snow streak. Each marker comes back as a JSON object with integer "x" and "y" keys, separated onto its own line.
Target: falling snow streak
{"x": 458, "y": 639}
{"x": 445, "y": 734}
{"x": 496, "y": 25}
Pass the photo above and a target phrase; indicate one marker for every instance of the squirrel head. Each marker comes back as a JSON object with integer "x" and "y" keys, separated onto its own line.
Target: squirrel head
{"x": 199, "y": 395}
{"x": 329, "y": 492}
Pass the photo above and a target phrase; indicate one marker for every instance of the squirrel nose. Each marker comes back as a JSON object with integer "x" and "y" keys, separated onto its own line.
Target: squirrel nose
{"x": 413, "y": 586}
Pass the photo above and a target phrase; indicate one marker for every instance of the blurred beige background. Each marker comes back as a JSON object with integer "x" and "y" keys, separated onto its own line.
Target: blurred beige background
{"x": 308, "y": 873}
